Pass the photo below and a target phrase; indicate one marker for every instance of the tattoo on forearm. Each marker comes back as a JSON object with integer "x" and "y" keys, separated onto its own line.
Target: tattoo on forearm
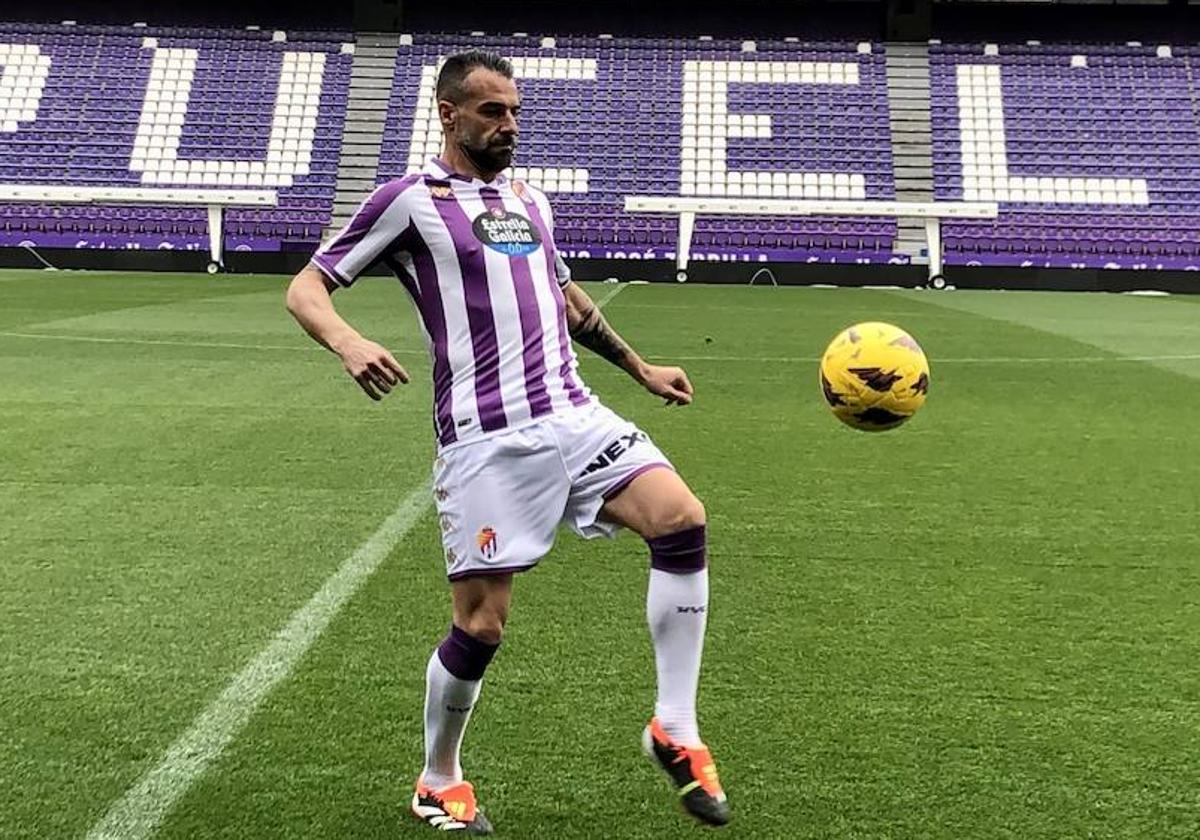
{"x": 594, "y": 333}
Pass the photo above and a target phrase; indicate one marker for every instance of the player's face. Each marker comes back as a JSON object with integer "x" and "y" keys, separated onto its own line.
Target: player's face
{"x": 484, "y": 125}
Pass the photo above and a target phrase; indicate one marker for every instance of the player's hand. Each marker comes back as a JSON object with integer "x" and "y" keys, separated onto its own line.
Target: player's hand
{"x": 670, "y": 383}
{"x": 374, "y": 369}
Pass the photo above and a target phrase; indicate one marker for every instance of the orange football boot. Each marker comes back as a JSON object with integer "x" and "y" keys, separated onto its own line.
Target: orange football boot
{"x": 693, "y": 773}
{"x": 451, "y": 808}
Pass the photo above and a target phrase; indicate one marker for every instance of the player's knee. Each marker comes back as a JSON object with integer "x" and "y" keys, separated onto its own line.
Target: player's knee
{"x": 686, "y": 514}
{"x": 466, "y": 655}
{"x": 681, "y": 547}
{"x": 485, "y": 625}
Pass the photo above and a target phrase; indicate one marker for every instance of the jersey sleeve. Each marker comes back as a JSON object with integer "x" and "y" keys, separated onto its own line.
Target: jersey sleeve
{"x": 368, "y": 236}
{"x": 562, "y": 272}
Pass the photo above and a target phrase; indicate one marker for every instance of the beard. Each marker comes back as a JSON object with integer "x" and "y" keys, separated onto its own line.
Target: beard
{"x": 489, "y": 157}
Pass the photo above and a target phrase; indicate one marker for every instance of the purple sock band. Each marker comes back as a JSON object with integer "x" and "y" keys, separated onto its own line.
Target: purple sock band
{"x": 679, "y": 553}
{"x": 465, "y": 656}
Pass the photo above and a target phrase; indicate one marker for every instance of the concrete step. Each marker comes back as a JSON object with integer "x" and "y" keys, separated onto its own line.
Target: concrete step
{"x": 378, "y": 39}
{"x": 916, "y": 102}
{"x": 371, "y": 77}
{"x": 370, "y": 84}
{"x": 362, "y": 159}
{"x": 360, "y": 145}
{"x": 907, "y": 48}
{"x": 364, "y": 123}
{"x": 365, "y": 114}
{"x": 373, "y": 71}
{"x": 907, "y": 80}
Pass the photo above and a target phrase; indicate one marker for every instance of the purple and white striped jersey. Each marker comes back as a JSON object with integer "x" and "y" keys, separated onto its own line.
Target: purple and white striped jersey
{"x": 479, "y": 261}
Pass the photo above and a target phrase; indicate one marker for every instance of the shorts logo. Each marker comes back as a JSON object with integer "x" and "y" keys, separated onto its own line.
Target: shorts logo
{"x": 509, "y": 233}
{"x": 615, "y": 450}
{"x": 487, "y": 541}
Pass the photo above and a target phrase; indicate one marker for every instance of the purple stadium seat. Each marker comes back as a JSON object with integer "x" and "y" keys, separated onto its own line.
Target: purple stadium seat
{"x": 88, "y": 115}
{"x": 609, "y": 126}
{"x": 1127, "y": 113}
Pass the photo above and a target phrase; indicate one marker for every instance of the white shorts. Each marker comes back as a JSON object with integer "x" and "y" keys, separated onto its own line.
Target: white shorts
{"x": 501, "y": 499}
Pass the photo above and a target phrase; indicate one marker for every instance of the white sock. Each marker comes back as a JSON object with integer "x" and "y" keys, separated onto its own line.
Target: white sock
{"x": 677, "y": 611}
{"x": 448, "y": 704}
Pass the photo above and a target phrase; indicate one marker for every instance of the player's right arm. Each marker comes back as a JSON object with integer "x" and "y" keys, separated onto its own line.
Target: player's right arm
{"x": 370, "y": 364}
{"x": 367, "y": 238}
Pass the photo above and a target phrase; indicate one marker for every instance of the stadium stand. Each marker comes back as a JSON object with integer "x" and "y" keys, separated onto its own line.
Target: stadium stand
{"x": 1092, "y": 151}
{"x": 106, "y": 106}
{"x": 738, "y": 100}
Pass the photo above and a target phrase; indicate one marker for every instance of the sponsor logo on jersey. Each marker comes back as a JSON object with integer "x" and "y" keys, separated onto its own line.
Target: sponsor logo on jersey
{"x": 509, "y": 233}
{"x": 615, "y": 450}
{"x": 487, "y": 541}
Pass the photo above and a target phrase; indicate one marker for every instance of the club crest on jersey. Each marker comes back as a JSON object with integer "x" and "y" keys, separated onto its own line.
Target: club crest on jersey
{"x": 487, "y": 541}
{"x": 509, "y": 233}
{"x": 519, "y": 190}
{"x": 441, "y": 191}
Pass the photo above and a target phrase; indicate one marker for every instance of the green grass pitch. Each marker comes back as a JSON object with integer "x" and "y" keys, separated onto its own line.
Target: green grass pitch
{"x": 985, "y": 624}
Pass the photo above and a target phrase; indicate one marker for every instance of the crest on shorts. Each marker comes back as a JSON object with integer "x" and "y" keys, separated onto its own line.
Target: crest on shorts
{"x": 487, "y": 541}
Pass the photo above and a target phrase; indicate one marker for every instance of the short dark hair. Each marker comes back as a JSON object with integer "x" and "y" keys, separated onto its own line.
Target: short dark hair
{"x": 458, "y": 66}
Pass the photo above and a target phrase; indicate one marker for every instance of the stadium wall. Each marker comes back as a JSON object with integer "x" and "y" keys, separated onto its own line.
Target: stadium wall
{"x": 662, "y": 271}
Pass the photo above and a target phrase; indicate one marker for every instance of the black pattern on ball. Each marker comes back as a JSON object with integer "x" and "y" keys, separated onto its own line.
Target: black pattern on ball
{"x": 876, "y": 379}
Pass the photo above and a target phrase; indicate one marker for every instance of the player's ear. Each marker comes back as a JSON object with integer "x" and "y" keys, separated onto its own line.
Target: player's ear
{"x": 448, "y": 114}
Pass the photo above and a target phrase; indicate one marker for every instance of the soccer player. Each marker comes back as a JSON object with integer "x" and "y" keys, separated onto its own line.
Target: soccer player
{"x": 522, "y": 443}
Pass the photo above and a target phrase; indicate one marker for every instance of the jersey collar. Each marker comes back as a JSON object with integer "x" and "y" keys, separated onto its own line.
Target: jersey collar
{"x": 440, "y": 168}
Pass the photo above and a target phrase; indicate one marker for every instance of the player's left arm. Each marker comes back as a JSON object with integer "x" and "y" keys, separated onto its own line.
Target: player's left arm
{"x": 589, "y": 328}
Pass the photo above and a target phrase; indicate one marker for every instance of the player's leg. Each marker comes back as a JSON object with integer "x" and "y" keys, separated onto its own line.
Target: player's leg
{"x": 453, "y": 680}
{"x": 499, "y": 502}
{"x": 455, "y": 672}
{"x": 621, "y": 479}
{"x": 658, "y": 505}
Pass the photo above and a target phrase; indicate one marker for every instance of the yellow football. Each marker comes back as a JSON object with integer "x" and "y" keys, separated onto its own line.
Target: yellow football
{"x": 874, "y": 376}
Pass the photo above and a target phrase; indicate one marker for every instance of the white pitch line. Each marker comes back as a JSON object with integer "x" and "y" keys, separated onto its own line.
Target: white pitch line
{"x": 224, "y": 345}
{"x": 601, "y": 303}
{"x": 620, "y": 288}
{"x": 959, "y": 361}
{"x": 137, "y": 814}
{"x": 981, "y": 360}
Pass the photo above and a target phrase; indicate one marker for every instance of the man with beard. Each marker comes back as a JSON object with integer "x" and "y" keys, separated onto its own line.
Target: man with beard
{"x": 522, "y": 443}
